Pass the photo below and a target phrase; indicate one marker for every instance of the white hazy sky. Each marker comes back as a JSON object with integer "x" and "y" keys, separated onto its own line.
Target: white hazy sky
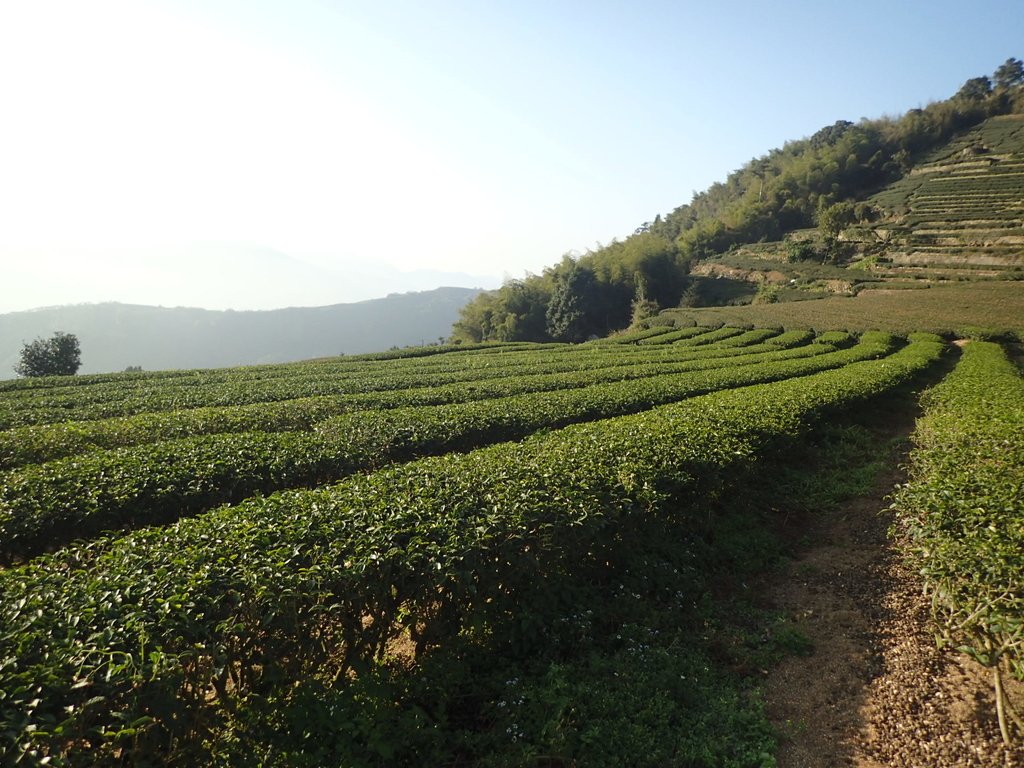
{"x": 257, "y": 154}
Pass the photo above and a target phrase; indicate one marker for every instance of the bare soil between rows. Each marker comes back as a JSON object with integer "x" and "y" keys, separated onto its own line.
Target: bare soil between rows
{"x": 875, "y": 691}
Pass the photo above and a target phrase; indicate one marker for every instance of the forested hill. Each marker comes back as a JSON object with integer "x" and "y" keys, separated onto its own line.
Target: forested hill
{"x": 116, "y": 336}
{"x": 824, "y": 181}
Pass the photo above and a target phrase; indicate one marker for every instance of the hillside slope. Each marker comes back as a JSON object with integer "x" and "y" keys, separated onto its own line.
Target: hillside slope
{"x": 951, "y": 175}
{"x": 957, "y": 215}
{"x": 115, "y": 336}
{"x": 963, "y": 207}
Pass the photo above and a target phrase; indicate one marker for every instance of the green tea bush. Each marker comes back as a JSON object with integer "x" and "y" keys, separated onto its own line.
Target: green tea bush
{"x": 131, "y": 649}
{"x": 47, "y": 505}
{"x": 961, "y": 510}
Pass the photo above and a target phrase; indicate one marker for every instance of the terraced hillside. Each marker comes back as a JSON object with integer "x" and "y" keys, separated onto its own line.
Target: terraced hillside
{"x": 962, "y": 210}
{"x": 957, "y": 215}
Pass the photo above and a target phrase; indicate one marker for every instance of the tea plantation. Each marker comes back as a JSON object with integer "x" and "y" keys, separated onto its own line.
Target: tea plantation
{"x": 486, "y": 554}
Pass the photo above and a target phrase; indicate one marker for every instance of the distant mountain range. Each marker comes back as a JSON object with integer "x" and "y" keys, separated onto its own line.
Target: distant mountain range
{"x": 114, "y": 336}
{"x": 211, "y": 275}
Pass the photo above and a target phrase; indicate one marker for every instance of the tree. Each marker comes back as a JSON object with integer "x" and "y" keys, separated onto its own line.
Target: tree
{"x": 833, "y": 219}
{"x": 513, "y": 312}
{"x": 975, "y": 89}
{"x": 801, "y": 250}
{"x": 642, "y": 310}
{"x": 524, "y": 303}
{"x": 830, "y": 134}
{"x": 575, "y": 301}
{"x": 58, "y": 355}
{"x": 1009, "y": 73}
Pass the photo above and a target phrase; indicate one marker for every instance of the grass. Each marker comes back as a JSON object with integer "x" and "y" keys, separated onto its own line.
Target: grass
{"x": 942, "y": 309}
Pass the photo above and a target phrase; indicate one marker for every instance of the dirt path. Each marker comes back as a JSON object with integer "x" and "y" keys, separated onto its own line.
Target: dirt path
{"x": 875, "y": 692}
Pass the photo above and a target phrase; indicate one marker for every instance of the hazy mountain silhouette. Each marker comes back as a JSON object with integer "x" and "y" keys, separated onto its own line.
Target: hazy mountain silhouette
{"x": 114, "y": 336}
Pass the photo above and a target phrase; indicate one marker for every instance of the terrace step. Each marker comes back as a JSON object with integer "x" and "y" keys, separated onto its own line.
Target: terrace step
{"x": 963, "y": 208}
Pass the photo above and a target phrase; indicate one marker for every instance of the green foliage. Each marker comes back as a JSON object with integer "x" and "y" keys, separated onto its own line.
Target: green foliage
{"x": 767, "y": 293}
{"x": 590, "y": 295}
{"x": 1009, "y": 74}
{"x": 833, "y": 219}
{"x": 976, "y": 89}
{"x": 59, "y": 355}
{"x": 961, "y": 514}
{"x": 801, "y": 250}
{"x": 126, "y": 648}
{"x": 961, "y": 508}
{"x": 867, "y": 264}
{"x": 576, "y": 302}
{"x": 45, "y": 505}
{"x": 515, "y": 312}
{"x": 643, "y": 311}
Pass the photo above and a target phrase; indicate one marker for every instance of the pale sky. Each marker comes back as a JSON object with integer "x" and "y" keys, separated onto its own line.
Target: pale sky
{"x": 252, "y": 155}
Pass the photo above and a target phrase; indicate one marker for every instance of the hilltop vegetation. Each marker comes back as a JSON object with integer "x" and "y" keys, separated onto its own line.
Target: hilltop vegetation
{"x": 824, "y": 182}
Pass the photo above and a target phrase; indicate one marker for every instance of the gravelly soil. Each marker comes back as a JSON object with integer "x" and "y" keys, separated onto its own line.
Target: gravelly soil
{"x": 875, "y": 691}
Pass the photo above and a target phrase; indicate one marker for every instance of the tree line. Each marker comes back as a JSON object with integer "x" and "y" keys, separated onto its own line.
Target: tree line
{"x": 580, "y": 297}
{"x": 806, "y": 183}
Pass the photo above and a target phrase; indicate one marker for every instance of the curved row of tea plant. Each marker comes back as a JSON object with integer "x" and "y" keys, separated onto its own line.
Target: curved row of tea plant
{"x": 47, "y": 505}
{"x": 753, "y": 336}
{"x": 212, "y": 389}
{"x": 711, "y": 337}
{"x": 632, "y": 337}
{"x": 124, "y": 649}
{"x": 52, "y": 391}
{"x": 53, "y": 415}
{"x": 280, "y": 382}
{"x": 480, "y": 347}
{"x": 838, "y": 338}
{"x": 408, "y": 353}
{"x": 438, "y": 358}
{"x": 64, "y": 394}
{"x": 45, "y": 442}
{"x": 670, "y": 336}
{"x": 963, "y": 509}
{"x": 114, "y": 387}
